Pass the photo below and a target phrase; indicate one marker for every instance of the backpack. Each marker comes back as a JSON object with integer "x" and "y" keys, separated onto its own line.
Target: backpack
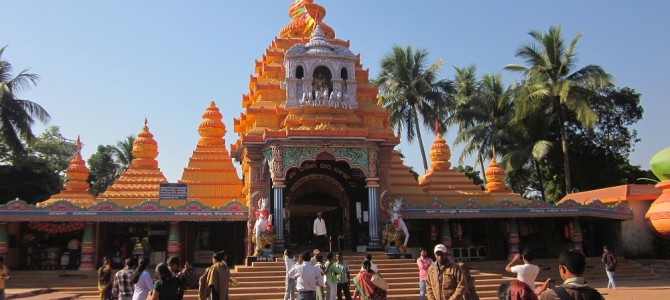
{"x": 592, "y": 293}
{"x": 610, "y": 261}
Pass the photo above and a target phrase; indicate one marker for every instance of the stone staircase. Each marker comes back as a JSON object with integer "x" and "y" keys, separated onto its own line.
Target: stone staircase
{"x": 265, "y": 280}
{"x": 594, "y": 272}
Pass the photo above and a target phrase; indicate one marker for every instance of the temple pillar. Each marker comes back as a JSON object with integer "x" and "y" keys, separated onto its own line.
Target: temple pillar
{"x": 174, "y": 240}
{"x": 278, "y": 193}
{"x": 446, "y": 238}
{"x": 4, "y": 240}
{"x": 373, "y": 185}
{"x": 513, "y": 239}
{"x": 577, "y": 238}
{"x": 88, "y": 248}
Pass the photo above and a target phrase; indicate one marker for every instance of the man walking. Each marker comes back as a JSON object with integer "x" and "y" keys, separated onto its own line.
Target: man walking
{"x": 571, "y": 265}
{"x": 290, "y": 282}
{"x": 423, "y": 262}
{"x": 307, "y": 276}
{"x": 320, "y": 232}
{"x": 123, "y": 288}
{"x": 610, "y": 266}
{"x": 445, "y": 280}
{"x": 527, "y": 272}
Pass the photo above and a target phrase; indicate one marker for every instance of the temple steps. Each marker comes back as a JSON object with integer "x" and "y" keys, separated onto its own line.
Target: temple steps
{"x": 402, "y": 275}
{"x": 265, "y": 280}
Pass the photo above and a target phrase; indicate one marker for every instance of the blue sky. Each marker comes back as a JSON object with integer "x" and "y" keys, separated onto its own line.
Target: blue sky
{"x": 105, "y": 65}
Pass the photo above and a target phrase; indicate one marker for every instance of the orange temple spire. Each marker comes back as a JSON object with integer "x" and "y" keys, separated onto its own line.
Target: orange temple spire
{"x": 210, "y": 174}
{"x": 142, "y": 179}
{"x": 495, "y": 177}
{"x": 76, "y": 187}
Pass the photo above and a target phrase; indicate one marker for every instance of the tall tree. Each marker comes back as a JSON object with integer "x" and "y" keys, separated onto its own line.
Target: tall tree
{"x": 103, "y": 169}
{"x": 124, "y": 152}
{"x": 52, "y": 147}
{"x": 410, "y": 90}
{"x": 17, "y": 115}
{"x": 30, "y": 179}
{"x": 554, "y": 87}
{"x": 483, "y": 111}
{"x": 525, "y": 144}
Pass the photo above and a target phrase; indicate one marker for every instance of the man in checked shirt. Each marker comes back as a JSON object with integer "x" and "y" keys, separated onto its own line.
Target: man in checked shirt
{"x": 122, "y": 287}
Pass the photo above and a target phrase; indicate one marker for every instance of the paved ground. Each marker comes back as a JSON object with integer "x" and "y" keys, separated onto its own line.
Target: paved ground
{"x": 628, "y": 289}
{"x": 635, "y": 289}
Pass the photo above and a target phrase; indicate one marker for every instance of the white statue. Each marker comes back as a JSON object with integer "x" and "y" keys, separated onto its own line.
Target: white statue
{"x": 263, "y": 227}
{"x": 392, "y": 235}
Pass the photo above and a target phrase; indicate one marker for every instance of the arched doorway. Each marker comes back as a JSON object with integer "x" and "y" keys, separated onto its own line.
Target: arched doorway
{"x": 331, "y": 187}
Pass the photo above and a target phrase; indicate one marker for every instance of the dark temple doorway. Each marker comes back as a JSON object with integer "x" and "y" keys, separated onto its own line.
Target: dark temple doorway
{"x": 334, "y": 189}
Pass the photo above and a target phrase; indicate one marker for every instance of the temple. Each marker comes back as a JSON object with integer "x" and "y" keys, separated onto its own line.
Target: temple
{"x": 311, "y": 137}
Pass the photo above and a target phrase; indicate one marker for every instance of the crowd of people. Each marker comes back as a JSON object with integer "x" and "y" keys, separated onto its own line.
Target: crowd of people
{"x": 314, "y": 276}
{"x": 311, "y": 276}
{"x": 134, "y": 282}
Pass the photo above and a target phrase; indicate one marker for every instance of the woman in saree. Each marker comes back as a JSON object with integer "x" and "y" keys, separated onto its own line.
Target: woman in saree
{"x": 365, "y": 289}
{"x": 105, "y": 279}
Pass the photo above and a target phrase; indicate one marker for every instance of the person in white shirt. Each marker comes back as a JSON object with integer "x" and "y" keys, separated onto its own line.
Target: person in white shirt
{"x": 290, "y": 282}
{"x": 320, "y": 232}
{"x": 142, "y": 280}
{"x": 74, "y": 247}
{"x": 307, "y": 276}
{"x": 526, "y": 272}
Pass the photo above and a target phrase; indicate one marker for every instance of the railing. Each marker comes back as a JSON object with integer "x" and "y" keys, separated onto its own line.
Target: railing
{"x": 469, "y": 253}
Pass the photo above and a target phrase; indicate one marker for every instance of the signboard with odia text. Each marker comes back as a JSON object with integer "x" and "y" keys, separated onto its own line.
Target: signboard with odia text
{"x": 173, "y": 191}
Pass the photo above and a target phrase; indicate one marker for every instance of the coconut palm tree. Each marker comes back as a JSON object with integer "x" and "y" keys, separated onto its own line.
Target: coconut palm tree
{"x": 410, "y": 90}
{"x": 525, "y": 143}
{"x": 124, "y": 152}
{"x": 17, "y": 115}
{"x": 483, "y": 112}
{"x": 555, "y": 87}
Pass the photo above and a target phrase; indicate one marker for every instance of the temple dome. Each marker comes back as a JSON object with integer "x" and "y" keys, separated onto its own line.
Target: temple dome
{"x": 76, "y": 185}
{"x": 143, "y": 178}
{"x": 211, "y": 177}
{"x": 495, "y": 177}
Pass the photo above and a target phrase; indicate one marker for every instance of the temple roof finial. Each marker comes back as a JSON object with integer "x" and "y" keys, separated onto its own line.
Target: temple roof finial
{"x": 495, "y": 176}
{"x": 78, "y": 144}
{"x": 305, "y": 16}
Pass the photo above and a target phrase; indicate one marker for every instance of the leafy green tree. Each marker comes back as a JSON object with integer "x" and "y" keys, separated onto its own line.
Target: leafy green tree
{"x": 412, "y": 93}
{"x": 30, "y": 179}
{"x": 103, "y": 169}
{"x": 553, "y": 86}
{"x": 472, "y": 174}
{"x": 599, "y": 153}
{"x": 54, "y": 149}
{"x": 17, "y": 115}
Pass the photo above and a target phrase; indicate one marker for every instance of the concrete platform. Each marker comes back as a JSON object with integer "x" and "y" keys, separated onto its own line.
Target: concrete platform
{"x": 23, "y": 293}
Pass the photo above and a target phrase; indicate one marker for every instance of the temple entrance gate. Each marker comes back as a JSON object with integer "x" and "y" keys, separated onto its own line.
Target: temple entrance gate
{"x": 349, "y": 177}
{"x": 333, "y": 188}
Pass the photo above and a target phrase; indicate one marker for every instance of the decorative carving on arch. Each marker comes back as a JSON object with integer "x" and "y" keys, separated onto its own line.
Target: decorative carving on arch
{"x": 355, "y": 157}
{"x": 320, "y": 177}
{"x": 276, "y": 168}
